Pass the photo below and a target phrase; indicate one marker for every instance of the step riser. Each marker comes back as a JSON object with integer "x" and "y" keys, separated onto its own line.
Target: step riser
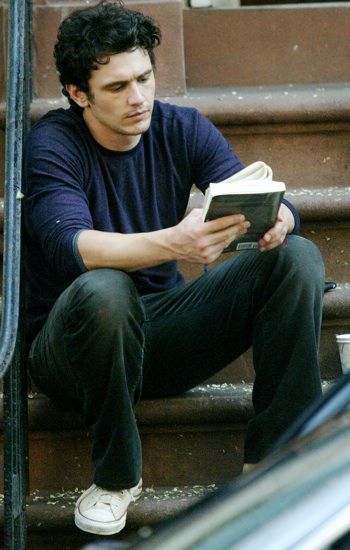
{"x": 172, "y": 457}
{"x": 284, "y": 46}
{"x": 333, "y": 243}
{"x": 302, "y": 155}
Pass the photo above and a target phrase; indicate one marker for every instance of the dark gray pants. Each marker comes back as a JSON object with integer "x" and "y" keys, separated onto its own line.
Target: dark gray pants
{"x": 104, "y": 346}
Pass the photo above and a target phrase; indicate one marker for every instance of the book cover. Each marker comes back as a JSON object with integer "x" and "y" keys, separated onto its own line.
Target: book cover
{"x": 257, "y": 199}
{"x": 260, "y": 209}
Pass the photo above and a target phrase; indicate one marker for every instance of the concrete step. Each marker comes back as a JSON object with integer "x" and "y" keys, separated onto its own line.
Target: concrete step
{"x": 267, "y": 45}
{"x": 193, "y": 439}
{"x": 51, "y": 524}
{"x": 47, "y": 16}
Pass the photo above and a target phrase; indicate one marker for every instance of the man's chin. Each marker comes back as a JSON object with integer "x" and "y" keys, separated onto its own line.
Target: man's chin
{"x": 138, "y": 129}
{"x": 138, "y": 126}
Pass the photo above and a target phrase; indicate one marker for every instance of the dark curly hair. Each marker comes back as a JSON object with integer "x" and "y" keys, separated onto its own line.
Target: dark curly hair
{"x": 89, "y": 36}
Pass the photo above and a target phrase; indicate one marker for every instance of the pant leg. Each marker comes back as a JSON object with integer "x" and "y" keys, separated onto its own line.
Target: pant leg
{"x": 285, "y": 345}
{"x": 90, "y": 352}
{"x": 270, "y": 300}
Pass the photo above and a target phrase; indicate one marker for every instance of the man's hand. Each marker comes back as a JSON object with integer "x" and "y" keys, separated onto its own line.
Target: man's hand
{"x": 277, "y": 234}
{"x": 199, "y": 242}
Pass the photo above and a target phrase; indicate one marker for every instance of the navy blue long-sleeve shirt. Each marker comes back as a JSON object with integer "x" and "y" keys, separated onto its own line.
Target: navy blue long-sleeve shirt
{"x": 71, "y": 183}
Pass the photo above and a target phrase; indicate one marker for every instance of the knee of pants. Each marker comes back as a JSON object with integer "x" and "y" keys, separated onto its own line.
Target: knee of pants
{"x": 304, "y": 260}
{"x": 105, "y": 294}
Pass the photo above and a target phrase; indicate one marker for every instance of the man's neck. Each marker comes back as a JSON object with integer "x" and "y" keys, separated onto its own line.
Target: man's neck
{"x": 110, "y": 140}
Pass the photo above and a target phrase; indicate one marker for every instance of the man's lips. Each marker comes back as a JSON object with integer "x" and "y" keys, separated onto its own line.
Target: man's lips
{"x": 138, "y": 114}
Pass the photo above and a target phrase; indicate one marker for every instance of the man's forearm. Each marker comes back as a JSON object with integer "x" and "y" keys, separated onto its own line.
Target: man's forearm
{"x": 190, "y": 240}
{"x": 128, "y": 252}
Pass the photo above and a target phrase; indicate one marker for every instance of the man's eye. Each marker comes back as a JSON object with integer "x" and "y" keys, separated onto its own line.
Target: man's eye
{"x": 143, "y": 78}
{"x": 116, "y": 88}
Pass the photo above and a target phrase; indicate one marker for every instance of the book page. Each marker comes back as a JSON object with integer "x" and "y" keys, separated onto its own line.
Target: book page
{"x": 258, "y": 170}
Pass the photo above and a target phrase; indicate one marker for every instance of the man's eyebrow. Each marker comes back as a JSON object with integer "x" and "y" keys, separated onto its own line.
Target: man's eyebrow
{"x": 121, "y": 82}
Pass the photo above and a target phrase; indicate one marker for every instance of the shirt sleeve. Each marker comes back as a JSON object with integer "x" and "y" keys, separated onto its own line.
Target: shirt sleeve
{"x": 56, "y": 208}
{"x": 213, "y": 158}
{"x": 296, "y": 229}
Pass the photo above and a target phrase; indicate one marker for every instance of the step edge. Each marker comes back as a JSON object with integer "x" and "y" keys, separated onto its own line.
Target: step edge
{"x": 321, "y": 102}
{"x": 55, "y": 511}
{"x": 181, "y": 411}
{"x": 211, "y": 404}
{"x": 337, "y": 304}
{"x": 321, "y": 204}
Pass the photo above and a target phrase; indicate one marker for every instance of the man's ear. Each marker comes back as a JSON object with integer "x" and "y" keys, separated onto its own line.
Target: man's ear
{"x": 77, "y": 95}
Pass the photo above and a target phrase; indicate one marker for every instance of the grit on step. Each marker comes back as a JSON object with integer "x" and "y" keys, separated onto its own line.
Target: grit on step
{"x": 194, "y": 438}
{"x": 51, "y": 524}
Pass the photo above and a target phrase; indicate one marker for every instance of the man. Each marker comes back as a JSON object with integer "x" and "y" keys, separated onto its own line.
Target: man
{"x": 110, "y": 318}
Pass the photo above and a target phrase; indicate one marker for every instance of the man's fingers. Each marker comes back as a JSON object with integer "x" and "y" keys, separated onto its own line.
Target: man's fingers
{"x": 213, "y": 226}
{"x": 274, "y": 237}
{"x": 205, "y": 241}
{"x": 226, "y": 236}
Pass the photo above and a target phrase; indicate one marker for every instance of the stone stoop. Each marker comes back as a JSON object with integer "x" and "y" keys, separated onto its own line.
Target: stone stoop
{"x": 180, "y": 451}
{"x": 51, "y": 523}
{"x": 178, "y": 470}
{"x": 280, "y": 98}
{"x": 191, "y": 444}
{"x": 193, "y": 439}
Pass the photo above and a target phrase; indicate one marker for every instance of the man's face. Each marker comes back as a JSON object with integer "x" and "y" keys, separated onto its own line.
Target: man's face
{"x": 119, "y": 105}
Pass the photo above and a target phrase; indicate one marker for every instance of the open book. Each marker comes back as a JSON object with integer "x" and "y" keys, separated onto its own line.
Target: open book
{"x": 251, "y": 192}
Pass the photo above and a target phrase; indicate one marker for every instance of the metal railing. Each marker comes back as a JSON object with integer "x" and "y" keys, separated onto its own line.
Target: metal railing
{"x": 12, "y": 365}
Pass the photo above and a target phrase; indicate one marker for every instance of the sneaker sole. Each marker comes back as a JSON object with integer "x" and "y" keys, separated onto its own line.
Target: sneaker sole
{"x": 135, "y": 492}
{"x": 136, "y": 496}
{"x": 99, "y": 528}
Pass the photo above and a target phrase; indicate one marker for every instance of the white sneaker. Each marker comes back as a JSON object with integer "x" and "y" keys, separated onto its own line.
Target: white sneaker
{"x": 104, "y": 512}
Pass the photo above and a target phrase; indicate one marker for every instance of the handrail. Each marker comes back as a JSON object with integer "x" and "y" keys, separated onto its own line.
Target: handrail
{"x": 12, "y": 361}
{"x": 16, "y": 125}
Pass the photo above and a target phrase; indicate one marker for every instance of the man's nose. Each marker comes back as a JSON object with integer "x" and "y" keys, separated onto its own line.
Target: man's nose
{"x": 135, "y": 95}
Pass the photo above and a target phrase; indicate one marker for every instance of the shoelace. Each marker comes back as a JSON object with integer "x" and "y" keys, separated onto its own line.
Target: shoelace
{"x": 111, "y": 503}
{"x": 108, "y": 498}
